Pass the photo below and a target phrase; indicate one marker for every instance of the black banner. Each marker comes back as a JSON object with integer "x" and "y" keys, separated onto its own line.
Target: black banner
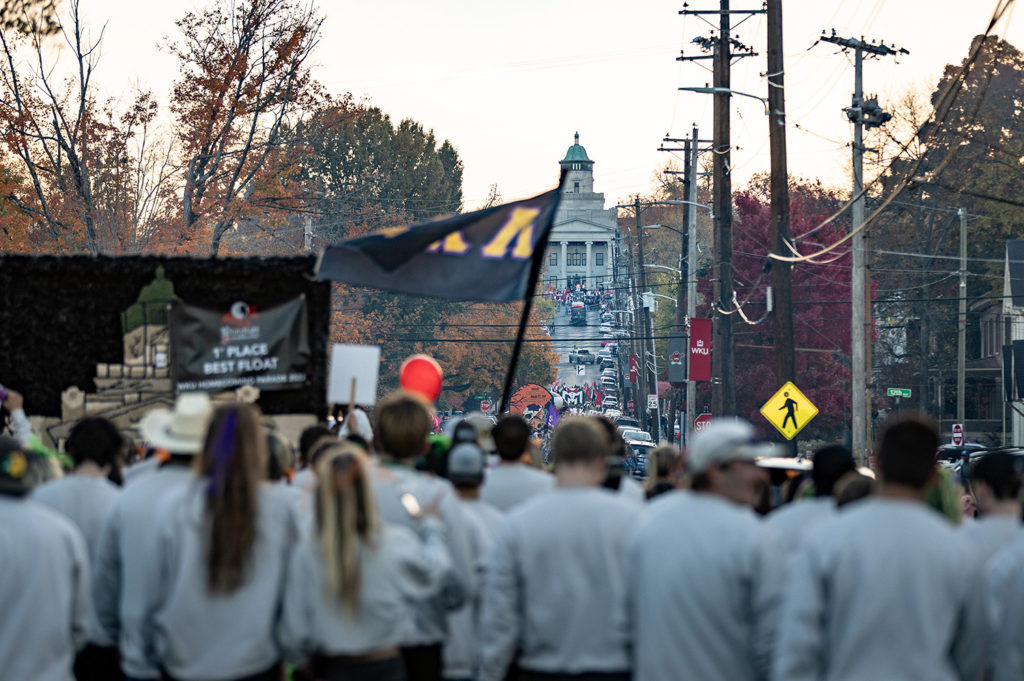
{"x": 1008, "y": 373}
{"x": 212, "y": 350}
{"x": 677, "y": 349}
{"x": 484, "y": 255}
{"x": 1018, "y": 365}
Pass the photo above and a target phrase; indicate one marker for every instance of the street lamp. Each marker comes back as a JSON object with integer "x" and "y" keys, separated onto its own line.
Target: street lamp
{"x": 714, "y": 90}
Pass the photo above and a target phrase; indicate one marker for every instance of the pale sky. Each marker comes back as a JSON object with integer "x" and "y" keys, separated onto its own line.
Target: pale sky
{"x": 509, "y": 84}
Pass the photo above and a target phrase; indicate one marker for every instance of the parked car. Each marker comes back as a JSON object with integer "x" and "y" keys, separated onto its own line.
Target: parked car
{"x": 607, "y": 363}
{"x": 627, "y": 422}
{"x": 583, "y": 356}
{"x": 605, "y": 328}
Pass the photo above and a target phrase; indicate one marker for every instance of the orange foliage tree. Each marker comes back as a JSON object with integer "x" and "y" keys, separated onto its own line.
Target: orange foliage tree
{"x": 244, "y": 76}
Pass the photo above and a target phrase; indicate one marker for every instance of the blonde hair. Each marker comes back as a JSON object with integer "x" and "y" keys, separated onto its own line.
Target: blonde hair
{"x": 234, "y": 462}
{"x": 346, "y": 518}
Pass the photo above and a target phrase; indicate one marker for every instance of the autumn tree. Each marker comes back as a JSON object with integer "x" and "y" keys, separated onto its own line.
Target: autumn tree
{"x": 821, "y": 294}
{"x": 29, "y": 17}
{"x": 87, "y": 166}
{"x": 245, "y": 81}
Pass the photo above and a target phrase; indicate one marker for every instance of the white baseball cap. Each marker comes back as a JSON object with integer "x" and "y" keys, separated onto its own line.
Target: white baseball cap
{"x": 725, "y": 440}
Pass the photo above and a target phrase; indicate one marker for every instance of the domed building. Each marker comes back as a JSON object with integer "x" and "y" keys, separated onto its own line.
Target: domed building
{"x": 580, "y": 247}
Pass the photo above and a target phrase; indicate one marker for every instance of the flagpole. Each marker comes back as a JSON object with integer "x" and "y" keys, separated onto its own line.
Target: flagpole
{"x": 535, "y": 267}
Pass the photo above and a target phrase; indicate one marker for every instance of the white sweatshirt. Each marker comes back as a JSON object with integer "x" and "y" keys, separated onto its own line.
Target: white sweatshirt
{"x": 82, "y": 499}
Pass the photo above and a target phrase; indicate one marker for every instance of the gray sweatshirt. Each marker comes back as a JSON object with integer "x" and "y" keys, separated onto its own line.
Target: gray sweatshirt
{"x": 44, "y": 592}
{"x": 990, "y": 534}
{"x": 82, "y": 499}
{"x": 123, "y": 554}
{"x": 508, "y": 485}
{"x": 390, "y": 484}
{"x": 555, "y": 588}
{"x": 888, "y": 589}
{"x": 197, "y": 635}
{"x": 397, "y": 572}
{"x": 1008, "y": 657}
{"x": 461, "y": 649}
{"x": 794, "y": 521}
{"x": 703, "y": 590}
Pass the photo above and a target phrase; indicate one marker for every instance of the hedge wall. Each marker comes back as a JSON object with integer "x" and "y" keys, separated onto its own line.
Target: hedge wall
{"x": 60, "y": 316}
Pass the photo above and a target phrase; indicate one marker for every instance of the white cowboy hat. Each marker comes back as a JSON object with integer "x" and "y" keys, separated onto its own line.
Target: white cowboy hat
{"x": 181, "y": 431}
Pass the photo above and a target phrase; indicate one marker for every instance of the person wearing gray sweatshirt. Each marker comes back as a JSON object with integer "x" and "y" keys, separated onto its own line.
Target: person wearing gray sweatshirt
{"x": 124, "y": 550}
{"x": 705, "y": 571}
{"x": 216, "y": 584}
{"x": 44, "y": 580}
{"x": 353, "y": 586}
{"x": 84, "y": 497}
{"x": 555, "y": 585}
{"x": 512, "y": 482}
{"x": 888, "y": 589}
{"x": 401, "y": 493}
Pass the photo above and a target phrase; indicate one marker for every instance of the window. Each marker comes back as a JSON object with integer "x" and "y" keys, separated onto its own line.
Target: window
{"x": 575, "y": 187}
{"x": 599, "y": 259}
{"x": 553, "y": 260}
{"x": 578, "y": 259}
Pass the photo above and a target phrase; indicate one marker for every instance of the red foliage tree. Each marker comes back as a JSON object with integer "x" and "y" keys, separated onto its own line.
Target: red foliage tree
{"x": 821, "y": 295}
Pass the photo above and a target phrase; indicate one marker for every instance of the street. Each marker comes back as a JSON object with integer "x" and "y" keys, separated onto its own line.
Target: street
{"x": 566, "y": 337}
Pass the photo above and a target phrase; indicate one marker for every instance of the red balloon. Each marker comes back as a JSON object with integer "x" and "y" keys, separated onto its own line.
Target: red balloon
{"x": 421, "y": 374}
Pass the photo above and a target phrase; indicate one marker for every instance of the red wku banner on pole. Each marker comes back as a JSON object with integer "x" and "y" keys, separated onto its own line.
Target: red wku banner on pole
{"x": 700, "y": 349}
{"x": 632, "y": 369}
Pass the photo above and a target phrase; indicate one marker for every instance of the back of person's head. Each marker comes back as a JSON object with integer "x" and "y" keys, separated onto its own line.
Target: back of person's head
{"x": 234, "y": 463}
{"x": 308, "y": 438}
{"x": 615, "y": 440}
{"x": 999, "y": 471}
{"x": 280, "y": 460}
{"x": 852, "y": 487}
{"x": 465, "y": 465}
{"x": 403, "y": 423}
{"x": 95, "y": 439}
{"x": 830, "y": 463}
{"x": 345, "y": 516}
{"x": 907, "y": 451}
{"x": 579, "y": 440}
{"x": 511, "y": 437}
{"x": 663, "y": 463}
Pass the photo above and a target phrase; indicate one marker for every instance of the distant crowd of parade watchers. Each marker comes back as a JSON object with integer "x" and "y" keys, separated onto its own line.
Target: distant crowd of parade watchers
{"x": 374, "y": 549}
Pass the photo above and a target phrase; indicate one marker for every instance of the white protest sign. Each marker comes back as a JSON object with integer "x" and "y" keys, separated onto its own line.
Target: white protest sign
{"x": 356, "y": 365}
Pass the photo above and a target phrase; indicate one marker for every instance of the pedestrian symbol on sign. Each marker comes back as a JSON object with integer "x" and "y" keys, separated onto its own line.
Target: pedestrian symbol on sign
{"x": 789, "y": 410}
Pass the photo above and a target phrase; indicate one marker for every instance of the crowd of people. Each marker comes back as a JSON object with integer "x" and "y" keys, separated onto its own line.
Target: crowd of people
{"x": 382, "y": 551}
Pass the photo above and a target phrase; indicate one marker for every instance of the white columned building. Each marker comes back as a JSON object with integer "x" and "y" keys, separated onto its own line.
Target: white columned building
{"x": 580, "y": 248}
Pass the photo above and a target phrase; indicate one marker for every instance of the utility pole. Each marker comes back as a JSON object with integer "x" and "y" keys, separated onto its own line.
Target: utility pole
{"x": 652, "y": 382}
{"x": 782, "y": 321}
{"x": 723, "y": 389}
{"x": 961, "y": 325}
{"x": 691, "y": 283}
{"x": 862, "y": 113}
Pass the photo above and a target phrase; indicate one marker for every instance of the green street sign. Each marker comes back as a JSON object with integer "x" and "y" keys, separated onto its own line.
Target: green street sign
{"x": 898, "y": 392}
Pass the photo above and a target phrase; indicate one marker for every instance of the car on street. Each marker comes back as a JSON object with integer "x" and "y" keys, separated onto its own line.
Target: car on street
{"x": 630, "y": 434}
{"x": 607, "y": 318}
{"x": 605, "y": 328}
{"x": 607, "y": 362}
{"x": 582, "y": 356}
{"x": 627, "y": 422}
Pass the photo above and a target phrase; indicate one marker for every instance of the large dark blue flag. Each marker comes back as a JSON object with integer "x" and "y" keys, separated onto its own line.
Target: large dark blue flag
{"x": 484, "y": 255}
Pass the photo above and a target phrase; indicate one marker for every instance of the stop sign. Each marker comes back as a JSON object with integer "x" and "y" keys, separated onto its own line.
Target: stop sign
{"x": 701, "y": 422}
{"x": 958, "y": 434}
{"x": 631, "y": 405}
{"x": 485, "y": 406}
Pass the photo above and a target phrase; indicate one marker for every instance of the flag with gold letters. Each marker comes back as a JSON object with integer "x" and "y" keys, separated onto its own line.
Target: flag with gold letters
{"x": 488, "y": 254}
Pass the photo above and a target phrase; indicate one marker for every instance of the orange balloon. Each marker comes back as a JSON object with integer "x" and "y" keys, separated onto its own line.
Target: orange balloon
{"x": 421, "y": 374}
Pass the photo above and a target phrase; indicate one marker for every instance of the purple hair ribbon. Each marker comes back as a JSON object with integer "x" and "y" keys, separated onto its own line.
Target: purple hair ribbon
{"x": 223, "y": 451}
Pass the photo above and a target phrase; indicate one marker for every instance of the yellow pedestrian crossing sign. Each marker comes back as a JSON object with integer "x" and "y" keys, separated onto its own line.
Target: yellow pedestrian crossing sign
{"x": 789, "y": 410}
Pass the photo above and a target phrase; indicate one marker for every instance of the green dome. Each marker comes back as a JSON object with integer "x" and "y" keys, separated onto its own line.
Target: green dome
{"x": 151, "y": 305}
{"x": 576, "y": 153}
